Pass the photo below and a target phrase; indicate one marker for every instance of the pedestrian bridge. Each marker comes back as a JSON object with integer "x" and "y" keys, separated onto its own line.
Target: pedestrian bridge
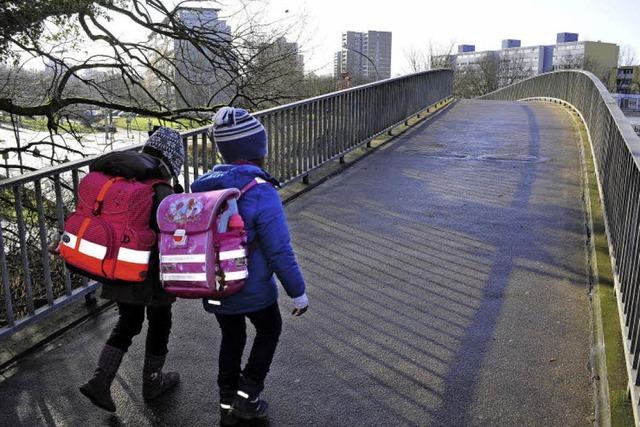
{"x": 448, "y": 272}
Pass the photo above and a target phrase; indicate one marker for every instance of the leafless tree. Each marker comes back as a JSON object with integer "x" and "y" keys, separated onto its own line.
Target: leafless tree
{"x": 170, "y": 66}
{"x": 491, "y": 72}
{"x": 628, "y": 56}
{"x": 418, "y": 60}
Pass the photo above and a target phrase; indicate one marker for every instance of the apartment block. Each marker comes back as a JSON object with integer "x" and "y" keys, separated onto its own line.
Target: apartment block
{"x": 198, "y": 80}
{"x": 515, "y": 62}
{"x": 625, "y": 79}
{"x": 364, "y": 55}
{"x": 597, "y": 57}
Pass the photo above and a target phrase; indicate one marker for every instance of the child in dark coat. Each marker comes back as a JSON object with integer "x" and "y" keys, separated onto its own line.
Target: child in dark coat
{"x": 242, "y": 141}
{"x": 161, "y": 158}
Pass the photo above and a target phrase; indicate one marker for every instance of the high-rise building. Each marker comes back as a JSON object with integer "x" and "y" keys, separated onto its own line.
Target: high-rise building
{"x": 364, "y": 55}
{"x": 199, "y": 78}
{"x": 281, "y": 56}
{"x": 377, "y": 47}
{"x": 337, "y": 64}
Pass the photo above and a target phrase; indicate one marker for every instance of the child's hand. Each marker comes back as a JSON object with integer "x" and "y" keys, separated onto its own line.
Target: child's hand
{"x": 301, "y": 305}
{"x": 299, "y": 311}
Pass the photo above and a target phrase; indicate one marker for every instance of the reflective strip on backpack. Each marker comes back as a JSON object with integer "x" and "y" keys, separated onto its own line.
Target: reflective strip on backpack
{"x": 184, "y": 277}
{"x": 196, "y": 258}
{"x": 86, "y": 247}
{"x": 92, "y": 249}
{"x": 237, "y": 253}
{"x": 133, "y": 256}
{"x": 235, "y": 275}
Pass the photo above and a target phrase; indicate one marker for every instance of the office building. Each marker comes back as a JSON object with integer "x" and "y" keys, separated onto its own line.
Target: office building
{"x": 518, "y": 62}
{"x": 597, "y": 57}
{"x": 364, "y": 56}
{"x": 625, "y": 79}
{"x": 470, "y": 59}
{"x": 566, "y": 38}
{"x": 515, "y": 62}
{"x": 628, "y": 102}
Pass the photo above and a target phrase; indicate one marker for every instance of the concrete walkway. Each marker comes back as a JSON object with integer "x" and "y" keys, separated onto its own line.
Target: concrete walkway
{"x": 447, "y": 282}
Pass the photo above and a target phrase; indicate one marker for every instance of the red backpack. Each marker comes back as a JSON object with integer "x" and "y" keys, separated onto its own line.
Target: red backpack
{"x": 109, "y": 235}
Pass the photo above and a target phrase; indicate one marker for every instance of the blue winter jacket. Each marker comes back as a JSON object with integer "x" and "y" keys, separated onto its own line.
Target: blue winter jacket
{"x": 269, "y": 240}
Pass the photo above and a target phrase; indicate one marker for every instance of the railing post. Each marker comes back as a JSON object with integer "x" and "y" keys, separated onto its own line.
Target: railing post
{"x": 6, "y": 286}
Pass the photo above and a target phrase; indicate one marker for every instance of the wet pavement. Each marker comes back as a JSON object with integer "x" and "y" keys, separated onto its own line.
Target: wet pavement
{"x": 447, "y": 283}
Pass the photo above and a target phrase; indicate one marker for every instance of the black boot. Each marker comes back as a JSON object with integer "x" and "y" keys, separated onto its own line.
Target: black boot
{"x": 247, "y": 403}
{"x": 227, "y": 418}
{"x": 98, "y": 389}
{"x": 154, "y": 381}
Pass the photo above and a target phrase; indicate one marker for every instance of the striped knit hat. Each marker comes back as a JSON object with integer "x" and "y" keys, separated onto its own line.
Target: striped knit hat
{"x": 238, "y": 135}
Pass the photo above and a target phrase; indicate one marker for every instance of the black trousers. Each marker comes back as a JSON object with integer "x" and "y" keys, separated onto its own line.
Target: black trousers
{"x": 268, "y": 324}
{"x": 130, "y": 324}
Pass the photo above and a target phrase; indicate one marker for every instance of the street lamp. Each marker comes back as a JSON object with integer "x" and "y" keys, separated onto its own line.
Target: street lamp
{"x": 367, "y": 58}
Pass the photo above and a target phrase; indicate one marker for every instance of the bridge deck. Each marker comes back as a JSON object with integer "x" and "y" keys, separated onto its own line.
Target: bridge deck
{"x": 447, "y": 282}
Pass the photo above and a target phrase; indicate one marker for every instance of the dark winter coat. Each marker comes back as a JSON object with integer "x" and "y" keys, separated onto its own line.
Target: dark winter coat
{"x": 139, "y": 166}
{"x": 269, "y": 241}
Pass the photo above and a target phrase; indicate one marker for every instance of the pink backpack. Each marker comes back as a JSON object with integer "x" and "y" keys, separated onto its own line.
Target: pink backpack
{"x": 108, "y": 236}
{"x": 203, "y": 243}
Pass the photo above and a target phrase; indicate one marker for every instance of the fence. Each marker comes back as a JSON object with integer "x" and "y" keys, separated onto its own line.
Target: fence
{"x": 616, "y": 152}
{"x": 302, "y": 136}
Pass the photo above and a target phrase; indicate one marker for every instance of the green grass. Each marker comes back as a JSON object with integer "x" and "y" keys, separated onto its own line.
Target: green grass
{"x": 620, "y": 404}
{"x": 142, "y": 123}
{"x": 39, "y": 124}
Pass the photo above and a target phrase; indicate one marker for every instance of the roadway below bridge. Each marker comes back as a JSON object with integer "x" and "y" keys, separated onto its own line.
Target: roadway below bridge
{"x": 448, "y": 285}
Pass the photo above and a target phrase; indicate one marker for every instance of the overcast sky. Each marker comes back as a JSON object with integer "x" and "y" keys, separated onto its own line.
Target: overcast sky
{"x": 481, "y": 22}
{"x": 440, "y": 23}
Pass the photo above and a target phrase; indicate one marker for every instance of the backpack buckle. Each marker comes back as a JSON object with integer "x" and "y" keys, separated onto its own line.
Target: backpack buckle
{"x": 97, "y": 207}
{"x": 180, "y": 237}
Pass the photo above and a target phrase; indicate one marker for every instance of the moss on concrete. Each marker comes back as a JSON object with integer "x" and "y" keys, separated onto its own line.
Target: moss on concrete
{"x": 619, "y": 401}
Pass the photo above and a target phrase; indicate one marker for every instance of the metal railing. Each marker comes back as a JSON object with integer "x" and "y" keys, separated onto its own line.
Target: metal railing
{"x": 616, "y": 153}
{"x": 302, "y": 136}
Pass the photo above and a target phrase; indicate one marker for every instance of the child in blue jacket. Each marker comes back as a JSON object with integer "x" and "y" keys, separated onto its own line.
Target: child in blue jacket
{"x": 242, "y": 141}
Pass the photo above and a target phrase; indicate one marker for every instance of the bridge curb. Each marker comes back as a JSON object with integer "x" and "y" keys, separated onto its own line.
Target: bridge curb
{"x": 598, "y": 352}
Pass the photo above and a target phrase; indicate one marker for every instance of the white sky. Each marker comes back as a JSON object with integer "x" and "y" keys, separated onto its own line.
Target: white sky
{"x": 481, "y": 22}
{"x": 441, "y": 23}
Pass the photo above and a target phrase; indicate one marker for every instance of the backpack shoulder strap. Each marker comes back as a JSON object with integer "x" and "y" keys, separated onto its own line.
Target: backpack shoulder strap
{"x": 156, "y": 181}
{"x": 254, "y": 182}
{"x": 251, "y": 184}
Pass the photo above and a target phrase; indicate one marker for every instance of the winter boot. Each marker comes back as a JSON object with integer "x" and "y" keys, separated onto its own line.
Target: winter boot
{"x": 247, "y": 403}
{"x": 227, "y": 418}
{"x": 98, "y": 389}
{"x": 154, "y": 381}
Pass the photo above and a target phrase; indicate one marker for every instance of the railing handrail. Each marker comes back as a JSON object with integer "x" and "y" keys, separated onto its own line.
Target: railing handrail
{"x": 58, "y": 169}
{"x": 75, "y": 164}
{"x": 307, "y": 101}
